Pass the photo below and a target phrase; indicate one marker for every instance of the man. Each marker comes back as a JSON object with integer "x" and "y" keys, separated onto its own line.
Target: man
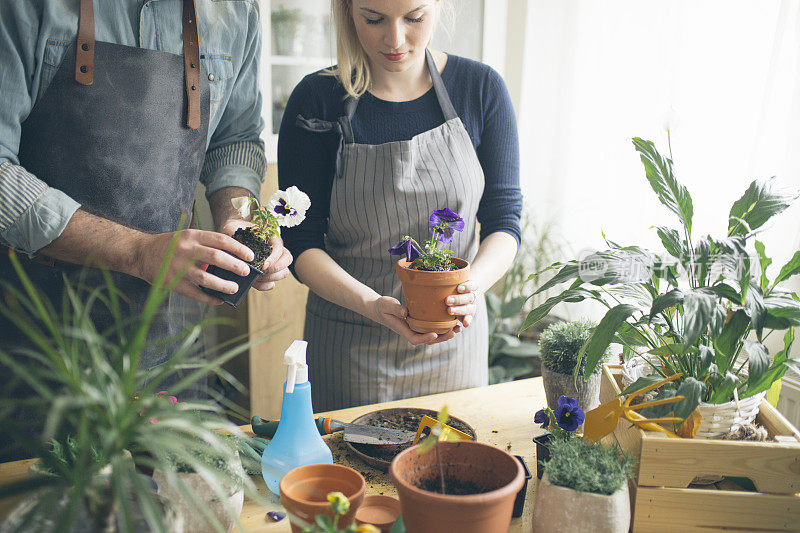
{"x": 112, "y": 112}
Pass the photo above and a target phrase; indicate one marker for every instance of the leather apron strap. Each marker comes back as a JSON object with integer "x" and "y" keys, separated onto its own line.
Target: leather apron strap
{"x": 84, "y": 55}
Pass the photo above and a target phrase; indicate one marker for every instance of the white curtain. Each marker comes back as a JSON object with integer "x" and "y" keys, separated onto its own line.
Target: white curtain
{"x": 597, "y": 73}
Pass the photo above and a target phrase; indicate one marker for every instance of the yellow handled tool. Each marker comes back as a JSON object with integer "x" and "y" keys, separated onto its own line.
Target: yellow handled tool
{"x": 448, "y": 433}
{"x": 603, "y": 419}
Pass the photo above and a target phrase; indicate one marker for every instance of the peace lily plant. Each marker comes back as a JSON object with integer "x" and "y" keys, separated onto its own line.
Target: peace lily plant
{"x": 702, "y": 309}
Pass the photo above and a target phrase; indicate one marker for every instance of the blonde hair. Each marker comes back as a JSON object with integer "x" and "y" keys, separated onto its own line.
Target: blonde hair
{"x": 352, "y": 65}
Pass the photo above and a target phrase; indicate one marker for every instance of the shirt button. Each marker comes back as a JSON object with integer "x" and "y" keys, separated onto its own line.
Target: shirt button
{"x": 210, "y": 77}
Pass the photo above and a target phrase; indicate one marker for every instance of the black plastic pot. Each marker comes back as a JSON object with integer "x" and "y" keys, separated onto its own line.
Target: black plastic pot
{"x": 244, "y": 282}
{"x": 519, "y": 502}
{"x": 542, "y": 452}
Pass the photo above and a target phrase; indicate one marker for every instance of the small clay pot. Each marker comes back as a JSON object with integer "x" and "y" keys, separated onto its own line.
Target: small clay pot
{"x": 304, "y": 493}
{"x": 425, "y": 292}
{"x": 469, "y": 462}
{"x": 379, "y": 510}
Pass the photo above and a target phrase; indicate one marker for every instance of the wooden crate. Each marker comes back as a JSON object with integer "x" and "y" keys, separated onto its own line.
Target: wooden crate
{"x": 664, "y": 498}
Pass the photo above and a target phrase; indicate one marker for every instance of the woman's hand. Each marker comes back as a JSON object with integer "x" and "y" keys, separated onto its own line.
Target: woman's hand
{"x": 391, "y": 313}
{"x": 465, "y": 304}
{"x": 276, "y": 266}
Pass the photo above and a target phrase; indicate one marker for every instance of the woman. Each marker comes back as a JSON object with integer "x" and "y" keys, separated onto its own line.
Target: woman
{"x": 378, "y": 145}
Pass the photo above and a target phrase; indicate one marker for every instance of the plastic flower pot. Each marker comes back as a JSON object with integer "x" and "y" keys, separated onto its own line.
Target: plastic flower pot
{"x": 542, "y": 452}
{"x": 465, "y": 463}
{"x": 244, "y": 282}
{"x": 425, "y": 292}
{"x": 304, "y": 493}
{"x": 519, "y": 501}
{"x": 562, "y": 510}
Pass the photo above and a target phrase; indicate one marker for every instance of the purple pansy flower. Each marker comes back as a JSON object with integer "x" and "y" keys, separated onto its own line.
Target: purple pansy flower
{"x": 289, "y": 206}
{"x": 451, "y": 221}
{"x": 407, "y": 248}
{"x": 541, "y": 418}
{"x": 568, "y": 415}
{"x": 283, "y": 208}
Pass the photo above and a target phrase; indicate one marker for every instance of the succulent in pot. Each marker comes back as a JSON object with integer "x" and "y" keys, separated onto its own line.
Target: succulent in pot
{"x": 701, "y": 309}
{"x": 560, "y": 345}
{"x": 285, "y": 208}
{"x": 430, "y": 273}
{"x": 585, "y": 487}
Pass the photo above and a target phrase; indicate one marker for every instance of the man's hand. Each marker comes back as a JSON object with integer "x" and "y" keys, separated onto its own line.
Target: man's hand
{"x": 193, "y": 249}
{"x": 276, "y": 266}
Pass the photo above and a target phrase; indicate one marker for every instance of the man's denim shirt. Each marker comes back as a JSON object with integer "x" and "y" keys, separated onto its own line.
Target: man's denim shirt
{"x": 34, "y": 36}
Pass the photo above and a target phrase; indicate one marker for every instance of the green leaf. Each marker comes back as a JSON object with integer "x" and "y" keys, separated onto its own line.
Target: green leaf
{"x": 658, "y": 411}
{"x": 757, "y": 362}
{"x": 755, "y": 307}
{"x": 514, "y": 367}
{"x": 665, "y": 301}
{"x": 627, "y": 334}
{"x": 513, "y": 307}
{"x": 789, "y": 269}
{"x": 776, "y": 369}
{"x": 595, "y": 348}
{"x": 570, "y": 295}
{"x": 702, "y": 261}
{"x": 727, "y": 342}
{"x": 672, "y": 242}
{"x": 705, "y": 356}
{"x": 493, "y": 304}
{"x": 764, "y": 261}
{"x": 523, "y": 350}
{"x": 641, "y": 383}
{"x": 757, "y": 205}
{"x": 667, "y": 349}
{"x": 669, "y": 191}
{"x": 692, "y": 391}
{"x": 783, "y": 309}
{"x": 699, "y": 311}
{"x": 724, "y": 290}
{"x": 497, "y": 374}
{"x": 722, "y": 387}
{"x": 568, "y": 272}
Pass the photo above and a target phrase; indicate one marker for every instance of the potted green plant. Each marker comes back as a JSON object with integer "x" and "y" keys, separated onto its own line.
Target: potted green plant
{"x": 430, "y": 273}
{"x": 286, "y": 25}
{"x": 285, "y": 208}
{"x": 560, "y": 346}
{"x": 702, "y": 309}
{"x": 561, "y": 423}
{"x": 464, "y": 486}
{"x": 584, "y": 488}
{"x": 97, "y": 402}
{"x": 171, "y": 483}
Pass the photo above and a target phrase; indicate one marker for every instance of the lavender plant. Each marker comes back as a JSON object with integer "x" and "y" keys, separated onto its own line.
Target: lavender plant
{"x": 442, "y": 224}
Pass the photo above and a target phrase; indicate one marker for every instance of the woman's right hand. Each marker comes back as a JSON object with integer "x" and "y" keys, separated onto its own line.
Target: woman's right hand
{"x": 391, "y": 313}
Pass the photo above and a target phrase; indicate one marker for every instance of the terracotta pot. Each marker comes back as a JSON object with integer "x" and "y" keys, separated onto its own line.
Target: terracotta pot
{"x": 304, "y": 493}
{"x": 425, "y": 292}
{"x": 195, "y": 521}
{"x": 562, "y": 510}
{"x": 468, "y": 462}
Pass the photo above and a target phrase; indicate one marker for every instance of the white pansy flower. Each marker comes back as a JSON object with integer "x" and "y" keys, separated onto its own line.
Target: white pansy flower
{"x": 289, "y": 206}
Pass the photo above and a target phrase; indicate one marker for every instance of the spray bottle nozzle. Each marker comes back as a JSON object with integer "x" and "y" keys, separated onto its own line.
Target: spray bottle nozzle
{"x": 296, "y": 368}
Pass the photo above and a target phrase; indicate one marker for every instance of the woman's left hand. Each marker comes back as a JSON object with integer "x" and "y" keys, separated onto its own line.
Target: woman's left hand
{"x": 465, "y": 304}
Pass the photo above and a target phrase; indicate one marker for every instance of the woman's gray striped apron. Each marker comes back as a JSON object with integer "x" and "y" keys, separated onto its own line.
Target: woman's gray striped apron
{"x": 381, "y": 193}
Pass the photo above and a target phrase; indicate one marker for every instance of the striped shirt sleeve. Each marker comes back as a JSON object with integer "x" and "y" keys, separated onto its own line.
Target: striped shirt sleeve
{"x": 32, "y": 215}
{"x": 237, "y": 164}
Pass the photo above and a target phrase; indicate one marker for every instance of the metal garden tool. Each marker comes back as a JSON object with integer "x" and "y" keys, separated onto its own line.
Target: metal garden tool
{"x": 603, "y": 419}
{"x": 354, "y": 433}
{"x": 449, "y": 433}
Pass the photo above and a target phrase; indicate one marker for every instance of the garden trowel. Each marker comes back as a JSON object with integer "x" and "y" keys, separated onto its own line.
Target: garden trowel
{"x": 603, "y": 419}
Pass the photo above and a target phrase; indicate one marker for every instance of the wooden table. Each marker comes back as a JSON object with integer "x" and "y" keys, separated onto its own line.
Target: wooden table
{"x": 502, "y": 416}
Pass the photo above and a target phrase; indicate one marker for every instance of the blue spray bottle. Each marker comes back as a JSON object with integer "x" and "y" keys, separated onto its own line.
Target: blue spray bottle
{"x": 297, "y": 441}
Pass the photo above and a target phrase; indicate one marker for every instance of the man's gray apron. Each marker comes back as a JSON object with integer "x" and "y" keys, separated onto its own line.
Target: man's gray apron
{"x": 120, "y": 146}
{"x": 381, "y": 193}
